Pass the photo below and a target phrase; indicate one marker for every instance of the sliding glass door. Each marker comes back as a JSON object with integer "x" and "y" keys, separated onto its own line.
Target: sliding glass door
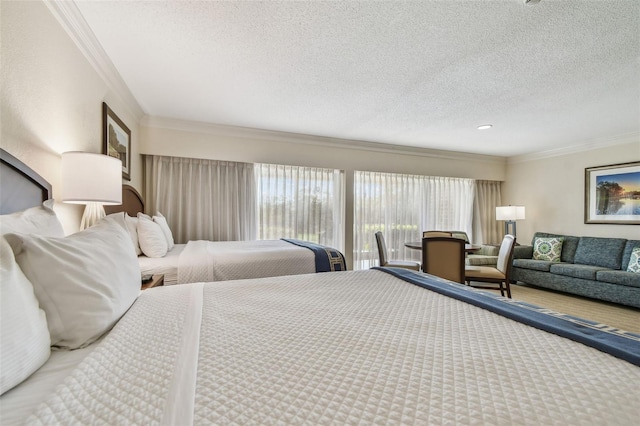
{"x": 402, "y": 206}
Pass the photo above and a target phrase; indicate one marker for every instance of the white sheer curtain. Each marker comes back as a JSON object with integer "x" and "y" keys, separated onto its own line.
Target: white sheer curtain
{"x": 486, "y": 229}
{"x": 202, "y": 199}
{"x": 305, "y": 203}
{"x": 402, "y": 206}
{"x": 447, "y": 204}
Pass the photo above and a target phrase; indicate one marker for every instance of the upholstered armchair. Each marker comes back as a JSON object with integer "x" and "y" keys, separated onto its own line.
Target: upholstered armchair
{"x": 486, "y": 256}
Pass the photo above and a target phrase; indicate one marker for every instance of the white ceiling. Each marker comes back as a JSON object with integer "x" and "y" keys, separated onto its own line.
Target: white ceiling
{"x": 547, "y": 76}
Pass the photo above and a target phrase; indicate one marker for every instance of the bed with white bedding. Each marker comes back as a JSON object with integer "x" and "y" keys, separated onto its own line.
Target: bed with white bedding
{"x": 201, "y": 260}
{"x": 348, "y": 348}
{"x": 360, "y": 347}
{"x": 215, "y": 260}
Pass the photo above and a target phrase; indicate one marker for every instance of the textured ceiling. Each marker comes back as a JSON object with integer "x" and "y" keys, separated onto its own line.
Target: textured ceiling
{"x": 426, "y": 74}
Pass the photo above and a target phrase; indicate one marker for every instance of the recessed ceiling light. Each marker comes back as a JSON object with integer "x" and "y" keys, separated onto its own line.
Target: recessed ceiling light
{"x": 485, "y": 126}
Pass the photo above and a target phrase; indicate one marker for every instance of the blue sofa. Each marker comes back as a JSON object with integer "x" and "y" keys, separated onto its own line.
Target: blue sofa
{"x": 589, "y": 266}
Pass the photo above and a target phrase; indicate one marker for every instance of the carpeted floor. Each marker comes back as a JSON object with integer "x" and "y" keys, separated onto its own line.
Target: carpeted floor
{"x": 618, "y": 316}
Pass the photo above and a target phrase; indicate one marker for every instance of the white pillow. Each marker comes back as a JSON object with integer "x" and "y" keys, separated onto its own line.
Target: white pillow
{"x": 84, "y": 282}
{"x": 25, "y": 343}
{"x": 152, "y": 241}
{"x": 162, "y": 221}
{"x": 40, "y": 220}
{"x": 132, "y": 227}
{"x": 130, "y": 224}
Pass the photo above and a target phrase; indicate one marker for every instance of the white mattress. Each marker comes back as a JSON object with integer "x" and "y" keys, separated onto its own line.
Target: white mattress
{"x": 341, "y": 348}
{"x": 167, "y": 265}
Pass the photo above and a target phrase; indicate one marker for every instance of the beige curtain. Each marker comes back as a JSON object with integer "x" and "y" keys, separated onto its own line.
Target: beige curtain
{"x": 202, "y": 199}
{"x": 488, "y": 196}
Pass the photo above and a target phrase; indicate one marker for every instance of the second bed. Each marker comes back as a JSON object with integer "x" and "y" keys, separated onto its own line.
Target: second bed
{"x": 202, "y": 260}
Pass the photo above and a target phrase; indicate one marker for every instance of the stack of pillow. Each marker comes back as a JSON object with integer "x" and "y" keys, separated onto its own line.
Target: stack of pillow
{"x": 150, "y": 236}
{"x": 154, "y": 235}
{"x": 59, "y": 292}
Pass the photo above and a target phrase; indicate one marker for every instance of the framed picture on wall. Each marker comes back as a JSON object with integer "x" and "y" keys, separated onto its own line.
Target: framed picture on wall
{"x": 116, "y": 139}
{"x": 612, "y": 194}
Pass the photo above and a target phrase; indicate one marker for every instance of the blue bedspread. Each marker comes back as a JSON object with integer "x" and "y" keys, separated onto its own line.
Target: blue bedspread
{"x": 619, "y": 343}
{"x": 327, "y": 259}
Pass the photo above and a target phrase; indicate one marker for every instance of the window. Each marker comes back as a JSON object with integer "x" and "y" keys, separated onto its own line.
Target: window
{"x": 402, "y": 206}
{"x": 305, "y": 203}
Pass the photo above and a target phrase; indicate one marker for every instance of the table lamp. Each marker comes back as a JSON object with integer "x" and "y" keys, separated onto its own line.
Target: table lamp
{"x": 91, "y": 179}
{"x": 510, "y": 214}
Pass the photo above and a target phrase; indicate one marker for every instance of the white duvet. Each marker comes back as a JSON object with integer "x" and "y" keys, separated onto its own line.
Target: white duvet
{"x": 205, "y": 261}
{"x": 342, "y": 348}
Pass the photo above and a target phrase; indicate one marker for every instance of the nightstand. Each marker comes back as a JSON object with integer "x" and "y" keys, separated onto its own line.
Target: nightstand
{"x": 156, "y": 281}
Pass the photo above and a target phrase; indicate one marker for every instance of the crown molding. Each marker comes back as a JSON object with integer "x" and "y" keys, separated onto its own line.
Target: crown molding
{"x": 71, "y": 19}
{"x": 587, "y": 145}
{"x": 219, "y": 130}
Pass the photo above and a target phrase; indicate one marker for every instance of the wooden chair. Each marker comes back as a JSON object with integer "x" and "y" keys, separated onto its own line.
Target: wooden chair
{"x": 500, "y": 274}
{"x": 382, "y": 253}
{"x": 431, "y": 234}
{"x": 444, "y": 257}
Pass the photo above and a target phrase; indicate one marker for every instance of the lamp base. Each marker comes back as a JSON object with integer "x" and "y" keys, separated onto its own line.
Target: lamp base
{"x": 510, "y": 224}
{"x": 93, "y": 212}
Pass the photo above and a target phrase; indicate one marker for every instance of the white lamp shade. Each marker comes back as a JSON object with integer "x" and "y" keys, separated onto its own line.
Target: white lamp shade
{"x": 510, "y": 213}
{"x": 91, "y": 178}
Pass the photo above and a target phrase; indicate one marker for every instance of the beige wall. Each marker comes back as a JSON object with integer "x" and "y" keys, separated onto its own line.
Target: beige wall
{"x": 196, "y": 140}
{"x": 552, "y": 190}
{"x": 51, "y": 98}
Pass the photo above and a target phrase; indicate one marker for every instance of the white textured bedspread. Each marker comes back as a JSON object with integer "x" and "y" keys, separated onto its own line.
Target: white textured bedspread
{"x": 341, "y": 348}
{"x": 204, "y": 261}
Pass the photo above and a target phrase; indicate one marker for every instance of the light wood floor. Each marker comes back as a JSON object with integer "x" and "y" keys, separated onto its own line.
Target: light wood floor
{"x": 618, "y": 316}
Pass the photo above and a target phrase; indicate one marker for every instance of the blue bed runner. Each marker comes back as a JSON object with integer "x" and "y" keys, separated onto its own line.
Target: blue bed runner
{"x": 327, "y": 259}
{"x": 621, "y": 344}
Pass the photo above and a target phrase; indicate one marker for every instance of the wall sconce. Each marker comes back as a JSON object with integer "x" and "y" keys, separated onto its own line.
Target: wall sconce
{"x": 91, "y": 179}
{"x": 510, "y": 214}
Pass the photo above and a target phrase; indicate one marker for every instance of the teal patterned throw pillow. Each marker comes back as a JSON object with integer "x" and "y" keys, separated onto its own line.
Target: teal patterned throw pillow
{"x": 634, "y": 262}
{"x": 548, "y": 249}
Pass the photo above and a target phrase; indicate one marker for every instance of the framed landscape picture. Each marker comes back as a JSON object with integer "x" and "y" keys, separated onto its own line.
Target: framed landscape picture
{"x": 116, "y": 139}
{"x": 612, "y": 194}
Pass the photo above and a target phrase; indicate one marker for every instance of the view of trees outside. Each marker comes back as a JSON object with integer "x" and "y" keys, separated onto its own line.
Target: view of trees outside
{"x": 307, "y": 203}
{"x": 618, "y": 194}
{"x": 304, "y": 203}
{"x": 402, "y": 206}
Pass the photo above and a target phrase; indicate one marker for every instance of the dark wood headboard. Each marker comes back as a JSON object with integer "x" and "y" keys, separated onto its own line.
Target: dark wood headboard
{"x": 20, "y": 186}
{"x": 132, "y": 202}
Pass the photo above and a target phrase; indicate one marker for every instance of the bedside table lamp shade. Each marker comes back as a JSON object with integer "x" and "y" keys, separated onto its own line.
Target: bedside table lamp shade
{"x": 510, "y": 214}
{"x": 91, "y": 179}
